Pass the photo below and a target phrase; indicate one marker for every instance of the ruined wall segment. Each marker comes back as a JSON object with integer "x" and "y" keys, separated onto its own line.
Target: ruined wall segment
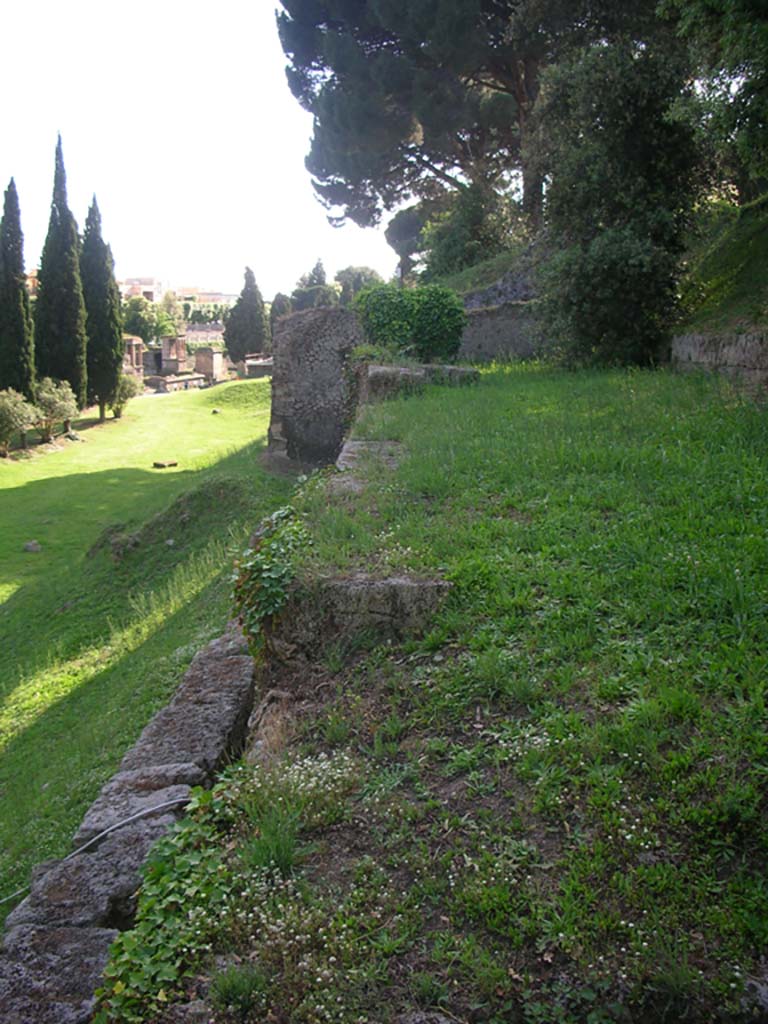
{"x": 313, "y": 397}
{"x": 508, "y": 331}
{"x": 742, "y": 357}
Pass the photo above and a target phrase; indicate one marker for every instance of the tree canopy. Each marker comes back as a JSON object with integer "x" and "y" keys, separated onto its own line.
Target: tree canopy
{"x": 412, "y": 100}
{"x": 60, "y": 333}
{"x": 17, "y": 367}
{"x": 246, "y": 329}
{"x": 104, "y": 324}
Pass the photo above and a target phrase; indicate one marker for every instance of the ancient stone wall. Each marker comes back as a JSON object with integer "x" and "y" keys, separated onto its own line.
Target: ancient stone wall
{"x": 743, "y": 357}
{"x": 313, "y": 397}
{"x": 57, "y": 939}
{"x": 508, "y": 331}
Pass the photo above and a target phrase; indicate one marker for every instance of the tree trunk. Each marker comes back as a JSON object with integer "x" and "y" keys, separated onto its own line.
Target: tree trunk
{"x": 527, "y": 83}
{"x": 102, "y": 410}
{"x": 533, "y": 195}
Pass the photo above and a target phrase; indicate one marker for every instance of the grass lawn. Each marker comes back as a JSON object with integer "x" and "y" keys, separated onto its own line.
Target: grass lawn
{"x": 97, "y": 628}
{"x": 552, "y": 807}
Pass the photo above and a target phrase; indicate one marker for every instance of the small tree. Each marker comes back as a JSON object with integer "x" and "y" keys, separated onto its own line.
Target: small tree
{"x": 354, "y": 280}
{"x": 623, "y": 181}
{"x": 55, "y": 402}
{"x": 281, "y": 306}
{"x": 17, "y": 362}
{"x": 126, "y": 389}
{"x": 60, "y": 337}
{"x": 16, "y": 414}
{"x": 246, "y": 327}
{"x": 102, "y": 305}
{"x": 140, "y": 318}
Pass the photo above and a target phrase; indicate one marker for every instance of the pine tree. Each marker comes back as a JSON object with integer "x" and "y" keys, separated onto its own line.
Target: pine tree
{"x": 60, "y": 337}
{"x": 17, "y": 366}
{"x": 103, "y": 320}
{"x": 281, "y": 306}
{"x": 246, "y": 329}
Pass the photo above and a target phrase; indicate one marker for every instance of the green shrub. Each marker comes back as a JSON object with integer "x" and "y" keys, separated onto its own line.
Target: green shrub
{"x": 265, "y": 571}
{"x": 426, "y": 322}
{"x": 15, "y": 414}
{"x": 127, "y": 388}
{"x": 438, "y": 323}
{"x": 55, "y": 402}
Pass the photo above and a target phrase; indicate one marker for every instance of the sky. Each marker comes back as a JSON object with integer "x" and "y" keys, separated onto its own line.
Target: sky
{"x": 177, "y": 116}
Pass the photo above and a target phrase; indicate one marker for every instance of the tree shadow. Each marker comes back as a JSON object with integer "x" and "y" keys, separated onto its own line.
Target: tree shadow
{"x": 65, "y": 597}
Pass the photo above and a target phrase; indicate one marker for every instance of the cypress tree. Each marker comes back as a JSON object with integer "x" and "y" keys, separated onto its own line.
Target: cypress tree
{"x": 103, "y": 320}
{"x": 246, "y": 328}
{"x": 60, "y": 338}
{"x": 17, "y": 365}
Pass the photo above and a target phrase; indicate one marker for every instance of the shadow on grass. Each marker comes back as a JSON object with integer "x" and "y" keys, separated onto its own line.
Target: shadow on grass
{"x": 53, "y": 769}
{"x": 68, "y": 599}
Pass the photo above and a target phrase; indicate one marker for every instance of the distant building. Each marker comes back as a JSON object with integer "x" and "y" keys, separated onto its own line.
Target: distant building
{"x": 211, "y": 364}
{"x": 206, "y": 334}
{"x": 133, "y": 359}
{"x": 150, "y": 288}
{"x": 167, "y": 359}
{"x": 32, "y": 283}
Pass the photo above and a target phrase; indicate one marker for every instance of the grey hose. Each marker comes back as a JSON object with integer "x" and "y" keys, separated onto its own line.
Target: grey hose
{"x": 106, "y": 832}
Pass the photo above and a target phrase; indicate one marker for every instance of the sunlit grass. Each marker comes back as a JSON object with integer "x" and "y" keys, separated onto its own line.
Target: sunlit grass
{"x": 98, "y": 627}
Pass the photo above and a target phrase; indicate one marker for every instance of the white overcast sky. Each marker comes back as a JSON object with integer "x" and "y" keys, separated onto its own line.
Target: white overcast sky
{"x": 176, "y": 114}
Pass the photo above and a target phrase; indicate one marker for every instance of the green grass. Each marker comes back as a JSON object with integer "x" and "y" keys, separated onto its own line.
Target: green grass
{"x": 727, "y": 285}
{"x": 562, "y": 785}
{"x": 485, "y": 273}
{"x": 133, "y": 577}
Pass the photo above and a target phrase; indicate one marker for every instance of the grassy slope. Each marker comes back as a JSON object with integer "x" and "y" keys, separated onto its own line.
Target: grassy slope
{"x": 561, "y": 788}
{"x": 483, "y": 274}
{"x": 727, "y": 283}
{"x": 92, "y": 645}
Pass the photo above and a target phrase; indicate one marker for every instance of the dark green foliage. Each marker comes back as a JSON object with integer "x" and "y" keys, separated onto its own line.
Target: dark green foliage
{"x": 403, "y": 233}
{"x": 140, "y": 318}
{"x": 417, "y": 99}
{"x": 103, "y": 320}
{"x": 475, "y": 227}
{"x": 438, "y": 323}
{"x": 408, "y": 98}
{"x": 730, "y": 43}
{"x": 60, "y": 335}
{"x": 622, "y": 187}
{"x": 314, "y": 278}
{"x": 17, "y": 367}
{"x": 127, "y": 387}
{"x": 247, "y": 325}
{"x": 312, "y": 290}
{"x": 425, "y": 322}
{"x": 353, "y": 280}
{"x": 16, "y": 414}
{"x": 386, "y": 313}
{"x": 281, "y": 306}
{"x": 314, "y": 297}
{"x": 55, "y": 403}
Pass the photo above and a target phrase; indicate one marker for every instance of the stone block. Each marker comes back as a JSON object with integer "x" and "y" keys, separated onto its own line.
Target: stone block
{"x": 48, "y": 975}
{"x": 313, "y": 396}
{"x": 92, "y": 890}
{"x": 131, "y": 792}
{"x": 323, "y": 610}
{"x": 206, "y": 720}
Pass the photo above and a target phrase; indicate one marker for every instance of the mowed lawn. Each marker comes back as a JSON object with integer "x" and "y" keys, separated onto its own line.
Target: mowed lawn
{"x": 133, "y": 575}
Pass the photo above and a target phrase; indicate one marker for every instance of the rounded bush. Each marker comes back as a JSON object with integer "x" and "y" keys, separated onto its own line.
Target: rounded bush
{"x": 425, "y": 322}
{"x": 438, "y": 323}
